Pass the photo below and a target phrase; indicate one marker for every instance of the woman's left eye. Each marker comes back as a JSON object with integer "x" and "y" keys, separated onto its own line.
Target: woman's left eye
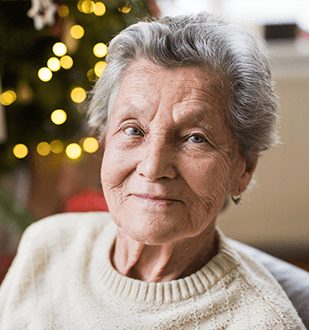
{"x": 133, "y": 131}
{"x": 197, "y": 138}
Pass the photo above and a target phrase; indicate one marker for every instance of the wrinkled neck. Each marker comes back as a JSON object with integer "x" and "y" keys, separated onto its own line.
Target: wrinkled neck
{"x": 166, "y": 262}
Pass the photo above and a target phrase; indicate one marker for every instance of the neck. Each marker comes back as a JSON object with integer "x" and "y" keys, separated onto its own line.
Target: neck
{"x": 166, "y": 262}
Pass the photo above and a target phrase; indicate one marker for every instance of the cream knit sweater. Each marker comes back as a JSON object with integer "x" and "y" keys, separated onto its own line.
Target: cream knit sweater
{"x": 62, "y": 278}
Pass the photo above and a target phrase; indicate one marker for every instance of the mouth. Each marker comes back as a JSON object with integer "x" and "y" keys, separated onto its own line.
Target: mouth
{"x": 159, "y": 200}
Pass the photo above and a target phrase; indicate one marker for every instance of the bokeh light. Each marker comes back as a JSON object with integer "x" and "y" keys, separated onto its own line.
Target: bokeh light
{"x": 58, "y": 117}
{"x": 45, "y": 74}
{"x": 99, "y": 9}
{"x": 78, "y": 95}
{"x": 90, "y": 145}
{"x": 125, "y": 9}
{"x": 56, "y": 146}
{"x": 20, "y": 151}
{"x": 63, "y": 11}
{"x": 8, "y": 97}
{"x": 77, "y": 31}
{"x": 25, "y": 94}
{"x": 100, "y": 50}
{"x": 53, "y": 64}
{"x": 99, "y": 68}
{"x": 43, "y": 148}
{"x": 73, "y": 151}
{"x": 66, "y": 62}
{"x": 59, "y": 49}
{"x": 87, "y": 6}
{"x": 91, "y": 75}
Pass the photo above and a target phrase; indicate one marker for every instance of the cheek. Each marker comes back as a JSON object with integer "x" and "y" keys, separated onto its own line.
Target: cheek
{"x": 210, "y": 179}
{"x": 116, "y": 167}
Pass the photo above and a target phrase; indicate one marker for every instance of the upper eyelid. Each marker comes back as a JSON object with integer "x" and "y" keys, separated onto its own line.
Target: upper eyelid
{"x": 133, "y": 122}
{"x": 131, "y": 125}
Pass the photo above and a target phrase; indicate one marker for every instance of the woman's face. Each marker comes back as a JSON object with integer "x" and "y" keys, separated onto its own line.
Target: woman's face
{"x": 170, "y": 157}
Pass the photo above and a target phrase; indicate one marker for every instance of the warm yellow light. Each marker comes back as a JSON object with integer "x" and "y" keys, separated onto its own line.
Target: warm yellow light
{"x": 78, "y": 95}
{"x": 59, "y": 49}
{"x": 43, "y": 148}
{"x": 79, "y": 5}
{"x": 100, "y": 50}
{"x": 58, "y": 117}
{"x": 73, "y": 151}
{"x": 63, "y": 11}
{"x": 20, "y": 151}
{"x": 66, "y": 62}
{"x": 53, "y": 64}
{"x": 56, "y": 146}
{"x": 99, "y": 68}
{"x": 45, "y": 74}
{"x": 91, "y": 75}
{"x": 125, "y": 9}
{"x": 77, "y": 31}
{"x": 99, "y": 9}
{"x": 8, "y": 97}
{"x": 90, "y": 145}
{"x": 87, "y": 6}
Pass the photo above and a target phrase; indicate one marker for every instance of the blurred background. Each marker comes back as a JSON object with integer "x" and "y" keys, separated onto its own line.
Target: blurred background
{"x": 52, "y": 52}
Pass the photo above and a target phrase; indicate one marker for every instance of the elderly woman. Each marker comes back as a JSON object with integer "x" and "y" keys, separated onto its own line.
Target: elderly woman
{"x": 185, "y": 107}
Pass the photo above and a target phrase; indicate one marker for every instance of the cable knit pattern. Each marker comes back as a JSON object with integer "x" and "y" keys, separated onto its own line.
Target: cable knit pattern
{"x": 62, "y": 278}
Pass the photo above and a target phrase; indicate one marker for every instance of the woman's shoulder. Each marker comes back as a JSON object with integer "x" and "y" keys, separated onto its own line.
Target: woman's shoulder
{"x": 61, "y": 234}
{"x": 267, "y": 301}
{"x": 65, "y": 223}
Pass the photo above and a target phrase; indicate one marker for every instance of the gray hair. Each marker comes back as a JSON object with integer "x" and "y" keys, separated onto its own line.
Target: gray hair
{"x": 202, "y": 41}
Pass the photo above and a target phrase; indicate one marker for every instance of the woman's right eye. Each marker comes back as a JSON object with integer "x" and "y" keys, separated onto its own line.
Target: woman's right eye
{"x": 133, "y": 131}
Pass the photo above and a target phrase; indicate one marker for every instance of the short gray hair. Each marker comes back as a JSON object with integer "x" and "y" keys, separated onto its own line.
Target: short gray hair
{"x": 202, "y": 41}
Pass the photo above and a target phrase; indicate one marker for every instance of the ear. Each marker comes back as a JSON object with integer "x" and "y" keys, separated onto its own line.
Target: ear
{"x": 242, "y": 176}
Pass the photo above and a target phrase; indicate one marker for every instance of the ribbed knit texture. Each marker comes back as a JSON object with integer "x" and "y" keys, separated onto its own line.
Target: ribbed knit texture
{"x": 62, "y": 278}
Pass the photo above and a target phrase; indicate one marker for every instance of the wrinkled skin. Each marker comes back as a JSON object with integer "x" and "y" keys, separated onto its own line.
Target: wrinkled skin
{"x": 170, "y": 160}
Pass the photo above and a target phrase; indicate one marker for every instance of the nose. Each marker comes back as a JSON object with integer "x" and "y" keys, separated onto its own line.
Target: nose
{"x": 157, "y": 161}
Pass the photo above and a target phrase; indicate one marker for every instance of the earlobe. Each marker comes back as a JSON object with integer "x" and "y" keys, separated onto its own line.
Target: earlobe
{"x": 244, "y": 177}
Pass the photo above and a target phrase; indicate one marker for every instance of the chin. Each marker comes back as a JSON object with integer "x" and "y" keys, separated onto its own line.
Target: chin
{"x": 153, "y": 230}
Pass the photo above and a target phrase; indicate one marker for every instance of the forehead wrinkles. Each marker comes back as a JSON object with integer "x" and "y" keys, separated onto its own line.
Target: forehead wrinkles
{"x": 192, "y": 92}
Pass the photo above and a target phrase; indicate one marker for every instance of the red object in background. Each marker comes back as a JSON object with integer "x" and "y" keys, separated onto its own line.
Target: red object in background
{"x": 5, "y": 263}
{"x": 86, "y": 201}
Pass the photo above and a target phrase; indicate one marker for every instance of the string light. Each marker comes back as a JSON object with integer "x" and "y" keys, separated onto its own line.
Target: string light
{"x": 45, "y": 74}
{"x": 100, "y": 49}
{"x": 77, "y": 31}
{"x": 99, "y": 68}
{"x": 63, "y": 11}
{"x": 59, "y": 49}
{"x": 87, "y": 6}
{"x": 20, "y": 151}
{"x": 53, "y": 64}
{"x": 66, "y": 62}
{"x": 8, "y": 97}
{"x": 73, "y": 151}
{"x": 79, "y": 5}
{"x": 125, "y": 9}
{"x": 43, "y": 148}
{"x": 91, "y": 75}
{"x": 56, "y": 146}
{"x": 90, "y": 145}
{"x": 58, "y": 117}
{"x": 78, "y": 95}
{"x": 99, "y": 9}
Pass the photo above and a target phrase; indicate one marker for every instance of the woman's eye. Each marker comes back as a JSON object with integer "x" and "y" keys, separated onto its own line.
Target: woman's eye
{"x": 197, "y": 138}
{"x": 133, "y": 131}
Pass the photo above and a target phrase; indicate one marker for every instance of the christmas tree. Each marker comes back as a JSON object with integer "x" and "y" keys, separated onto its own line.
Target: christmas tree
{"x": 46, "y": 71}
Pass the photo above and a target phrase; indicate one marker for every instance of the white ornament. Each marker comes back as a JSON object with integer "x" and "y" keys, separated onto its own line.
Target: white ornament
{"x": 43, "y": 13}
